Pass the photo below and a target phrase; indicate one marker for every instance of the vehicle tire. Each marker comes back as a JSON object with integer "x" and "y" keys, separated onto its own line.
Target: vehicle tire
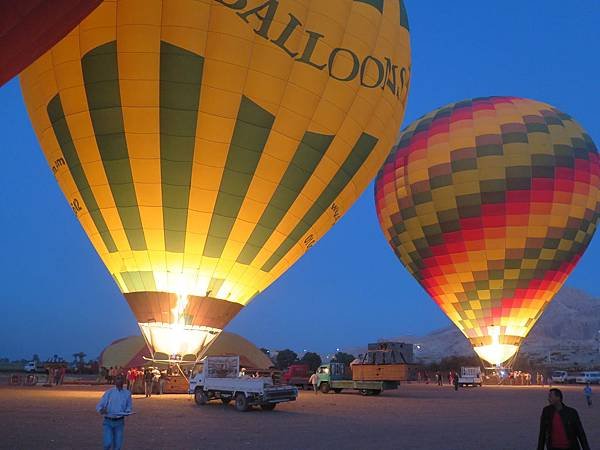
{"x": 364, "y": 392}
{"x": 200, "y": 397}
{"x": 337, "y": 390}
{"x": 226, "y": 401}
{"x": 268, "y": 406}
{"x": 241, "y": 402}
{"x": 324, "y": 388}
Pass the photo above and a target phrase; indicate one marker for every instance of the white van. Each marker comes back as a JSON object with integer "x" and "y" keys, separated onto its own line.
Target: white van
{"x": 588, "y": 377}
{"x": 558, "y": 376}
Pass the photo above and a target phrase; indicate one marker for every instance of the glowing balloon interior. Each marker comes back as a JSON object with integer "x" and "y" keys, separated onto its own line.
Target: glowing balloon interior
{"x": 205, "y": 145}
{"x": 490, "y": 203}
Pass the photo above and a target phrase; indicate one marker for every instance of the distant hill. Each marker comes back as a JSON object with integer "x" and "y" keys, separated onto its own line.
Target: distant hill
{"x": 566, "y": 335}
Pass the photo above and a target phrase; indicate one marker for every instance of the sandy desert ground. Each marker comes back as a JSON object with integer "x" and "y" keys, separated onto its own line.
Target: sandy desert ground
{"x": 413, "y": 417}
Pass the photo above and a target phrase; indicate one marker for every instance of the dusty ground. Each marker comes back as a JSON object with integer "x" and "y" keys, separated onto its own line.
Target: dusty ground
{"x": 414, "y": 417}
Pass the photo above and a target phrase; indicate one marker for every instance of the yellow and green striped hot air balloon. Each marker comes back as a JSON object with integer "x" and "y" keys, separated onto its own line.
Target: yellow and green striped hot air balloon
{"x": 205, "y": 145}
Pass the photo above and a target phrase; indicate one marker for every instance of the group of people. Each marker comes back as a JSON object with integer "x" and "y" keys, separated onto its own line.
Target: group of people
{"x": 138, "y": 379}
{"x": 110, "y": 374}
{"x": 452, "y": 378}
{"x": 56, "y": 375}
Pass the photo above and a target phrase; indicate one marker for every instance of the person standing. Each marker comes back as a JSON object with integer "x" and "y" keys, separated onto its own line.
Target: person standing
{"x": 560, "y": 426}
{"x": 156, "y": 380}
{"x": 314, "y": 380}
{"x": 455, "y": 379}
{"x": 114, "y": 405}
{"x": 148, "y": 376}
{"x": 587, "y": 391}
{"x": 131, "y": 376}
{"x": 162, "y": 381}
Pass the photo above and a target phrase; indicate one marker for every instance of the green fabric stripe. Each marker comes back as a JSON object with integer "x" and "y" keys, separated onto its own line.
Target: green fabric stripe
{"x": 250, "y": 135}
{"x": 403, "y": 15}
{"x": 101, "y": 78}
{"x": 308, "y": 155}
{"x": 378, "y": 4}
{"x": 65, "y": 140}
{"x": 361, "y": 151}
{"x": 139, "y": 281}
{"x": 180, "y": 81}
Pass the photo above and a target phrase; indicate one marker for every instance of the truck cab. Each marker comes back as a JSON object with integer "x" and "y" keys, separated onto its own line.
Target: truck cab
{"x": 297, "y": 375}
{"x": 31, "y": 366}
{"x": 219, "y": 378}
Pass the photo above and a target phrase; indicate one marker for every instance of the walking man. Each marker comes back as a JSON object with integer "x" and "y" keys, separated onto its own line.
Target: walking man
{"x": 114, "y": 405}
{"x": 560, "y": 426}
{"x": 587, "y": 391}
{"x": 148, "y": 377}
{"x": 314, "y": 380}
{"x": 455, "y": 379}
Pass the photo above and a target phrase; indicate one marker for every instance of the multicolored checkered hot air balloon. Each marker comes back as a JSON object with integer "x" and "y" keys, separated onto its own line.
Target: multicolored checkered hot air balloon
{"x": 205, "y": 145}
{"x": 490, "y": 203}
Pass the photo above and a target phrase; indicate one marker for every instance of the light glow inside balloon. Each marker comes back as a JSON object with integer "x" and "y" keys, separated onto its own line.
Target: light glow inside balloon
{"x": 205, "y": 145}
{"x": 490, "y": 203}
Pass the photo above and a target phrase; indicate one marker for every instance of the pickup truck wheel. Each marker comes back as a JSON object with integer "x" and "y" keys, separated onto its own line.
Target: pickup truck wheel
{"x": 241, "y": 402}
{"x": 337, "y": 390}
{"x": 324, "y": 388}
{"x": 364, "y": 392}
{"x": 226, "y": 401}
{"x": 268, "y": 406}
{"x": 200, "y": 397}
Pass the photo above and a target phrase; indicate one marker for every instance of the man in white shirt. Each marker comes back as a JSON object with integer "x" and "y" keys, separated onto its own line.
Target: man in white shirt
{"x": 314, "y": 380}
{"x": 114, "y": 405}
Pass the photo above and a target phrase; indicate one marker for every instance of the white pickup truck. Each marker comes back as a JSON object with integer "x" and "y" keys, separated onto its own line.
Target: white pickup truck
{"x": 470, "y": 376}
{"x": 218, "y": 378}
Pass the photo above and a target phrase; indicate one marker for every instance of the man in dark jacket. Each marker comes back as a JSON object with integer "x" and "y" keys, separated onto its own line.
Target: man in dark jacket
{"x": 560, "y": 427}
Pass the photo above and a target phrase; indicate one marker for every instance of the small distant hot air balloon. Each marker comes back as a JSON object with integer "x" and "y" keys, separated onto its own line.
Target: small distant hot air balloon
{"x": 490, "y": 203}
{"x": 28, "y": 28}
{"x": 205, "y": 145}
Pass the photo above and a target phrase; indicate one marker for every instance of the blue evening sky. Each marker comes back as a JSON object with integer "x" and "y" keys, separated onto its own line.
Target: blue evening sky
{"x": 57, "y": 297}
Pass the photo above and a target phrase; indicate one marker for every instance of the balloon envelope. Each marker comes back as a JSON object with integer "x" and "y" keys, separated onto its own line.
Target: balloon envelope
{"x": 206, "y": 145}
{"x": 28, "y": 28}
{"x": 490, "y": 203}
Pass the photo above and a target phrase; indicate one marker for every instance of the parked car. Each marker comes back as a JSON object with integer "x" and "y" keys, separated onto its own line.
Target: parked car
{"x": 588, "y": 377}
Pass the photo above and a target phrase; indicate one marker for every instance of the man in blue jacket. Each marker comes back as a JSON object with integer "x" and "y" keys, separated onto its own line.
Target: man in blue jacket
{"x": 114, "y": 405}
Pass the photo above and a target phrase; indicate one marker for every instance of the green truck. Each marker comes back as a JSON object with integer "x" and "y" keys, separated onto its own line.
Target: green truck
{"x": 336, "y": 377}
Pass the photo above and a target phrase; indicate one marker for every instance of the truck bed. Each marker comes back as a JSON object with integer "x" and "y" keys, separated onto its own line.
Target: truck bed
{"x": 360, "y": 385}
{"x": 239, "y": 384}
{"x": 381, "y": 372}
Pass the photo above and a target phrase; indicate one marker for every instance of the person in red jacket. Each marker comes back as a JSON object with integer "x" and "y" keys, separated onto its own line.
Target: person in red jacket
{"x": 560, "y": 426}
